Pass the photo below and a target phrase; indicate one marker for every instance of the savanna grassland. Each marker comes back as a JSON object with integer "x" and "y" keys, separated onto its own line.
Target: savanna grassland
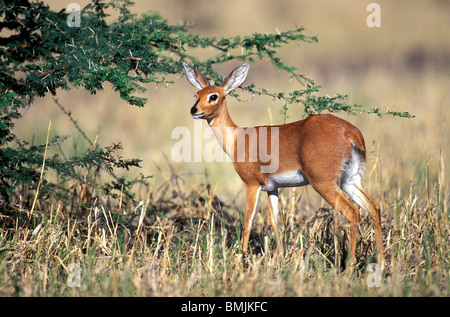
{"x": 183, "y": 239}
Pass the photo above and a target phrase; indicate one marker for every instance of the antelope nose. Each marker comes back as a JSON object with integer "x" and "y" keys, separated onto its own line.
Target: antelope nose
{"x": 194, "y": 108}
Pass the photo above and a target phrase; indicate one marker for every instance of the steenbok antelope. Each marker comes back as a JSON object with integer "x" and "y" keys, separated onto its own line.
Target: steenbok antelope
{"x": 322, "y": 150}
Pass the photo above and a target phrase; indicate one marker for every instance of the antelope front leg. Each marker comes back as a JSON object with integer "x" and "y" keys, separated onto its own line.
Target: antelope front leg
{"x": 273, "y": 205}
{"x": 251, "y": 204}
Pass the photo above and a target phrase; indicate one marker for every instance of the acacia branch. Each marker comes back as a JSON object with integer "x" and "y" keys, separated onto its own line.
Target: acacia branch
{"x": 41, "y": 75}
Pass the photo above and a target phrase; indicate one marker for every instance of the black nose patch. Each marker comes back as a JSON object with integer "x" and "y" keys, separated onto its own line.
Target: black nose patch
{"x": 194, "y": 107}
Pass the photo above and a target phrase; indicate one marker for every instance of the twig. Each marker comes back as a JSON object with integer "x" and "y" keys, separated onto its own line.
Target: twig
{"x": 42, "y": 170}
{"x": 69, "y": 114}
{"x": 41, "y": 75}
{"x": 93, "y": 144}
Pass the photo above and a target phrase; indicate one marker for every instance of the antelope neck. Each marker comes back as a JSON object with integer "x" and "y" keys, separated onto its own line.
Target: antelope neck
{"x": 224, "y": 128}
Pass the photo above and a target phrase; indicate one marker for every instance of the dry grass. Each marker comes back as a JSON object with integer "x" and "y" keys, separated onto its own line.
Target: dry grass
{"x": 185, "y": 240}
{"x": 187, "y": 243}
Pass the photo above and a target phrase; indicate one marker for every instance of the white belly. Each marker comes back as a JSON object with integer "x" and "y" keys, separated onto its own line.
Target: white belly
{"x": 290, "y": 179}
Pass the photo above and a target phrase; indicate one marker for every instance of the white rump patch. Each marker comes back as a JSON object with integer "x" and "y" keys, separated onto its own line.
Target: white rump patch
{"x": 352, "y": 173}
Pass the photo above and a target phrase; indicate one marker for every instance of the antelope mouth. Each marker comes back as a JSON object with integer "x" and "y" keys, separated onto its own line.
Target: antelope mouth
{"x": 198, "y": 116}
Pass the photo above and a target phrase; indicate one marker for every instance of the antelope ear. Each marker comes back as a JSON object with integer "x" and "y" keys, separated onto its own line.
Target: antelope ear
{"x": 196, "y": 78}
{"x": 236, "y": 78}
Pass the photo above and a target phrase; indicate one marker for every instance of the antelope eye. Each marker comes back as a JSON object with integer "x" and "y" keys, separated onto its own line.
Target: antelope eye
{"x": 213, "y": 98}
